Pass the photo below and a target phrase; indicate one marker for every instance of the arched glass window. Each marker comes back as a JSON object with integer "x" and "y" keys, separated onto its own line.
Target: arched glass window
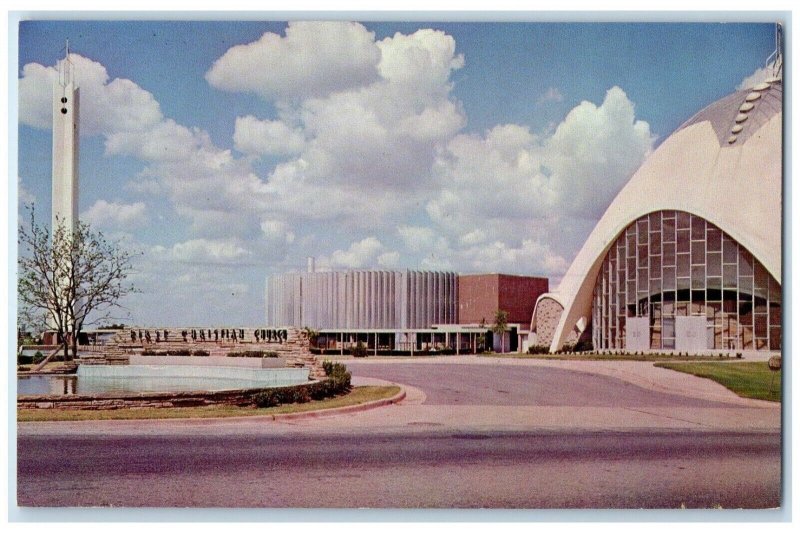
{"x": 672, "y": 264}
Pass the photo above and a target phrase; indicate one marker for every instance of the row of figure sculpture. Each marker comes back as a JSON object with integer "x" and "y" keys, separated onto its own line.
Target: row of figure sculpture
{"x": 208, "y": 335}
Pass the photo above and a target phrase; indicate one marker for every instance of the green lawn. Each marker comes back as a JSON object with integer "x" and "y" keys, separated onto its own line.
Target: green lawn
{"x": 592, "y": 356}
{"x": 357, "y": 396}
{"x": 749, "y": 380}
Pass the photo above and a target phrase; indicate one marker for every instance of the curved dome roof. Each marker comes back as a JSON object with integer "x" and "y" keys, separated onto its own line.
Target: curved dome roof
{"x": 722, "y": 113}
{"x": 724, "y": 164}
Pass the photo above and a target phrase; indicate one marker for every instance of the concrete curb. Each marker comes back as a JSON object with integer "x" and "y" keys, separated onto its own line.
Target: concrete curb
{"x": 320, "y": 413}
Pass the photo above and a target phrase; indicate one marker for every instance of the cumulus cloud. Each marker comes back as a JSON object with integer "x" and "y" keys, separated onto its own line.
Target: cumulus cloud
{"x": 24, "y": 196}
{"x": 278, "y": 231}
{"x": 366, "y": 141}
{"x": 313, "y": 59}
{"x": 267, "y": 137}
{"x": 514, "y": 175}
{"x": 203, "y": 251}
{"x": 360, "y": 254}
{"x": 756, "y": 77}
{"x": 116, "y": 215}
{"x": 551, "y": 95}
{"x": 362, "y": 152}
{"x": 116, "y": 105}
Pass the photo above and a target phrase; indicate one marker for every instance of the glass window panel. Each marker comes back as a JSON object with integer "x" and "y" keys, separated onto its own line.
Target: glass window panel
{"x": 713, "y": 310}
{"x": 631, "y": 297}
{"x": 746, "y": 284}
{"x": 631, "y": 245}
{"x": 698, "y": 228}
{"x": 729, "y": 276}
{"x": 698, "y": 277}
{"x": 745, "y": 263}
{"x": 669, "y": 254}
{"x": 655, "y": 286}
{"x": 698, "y": 252}
{"x": 642, "y": 279}
{"x": 655, "y": 243}
{"x": 729, "y": 250}
{"x": 760, "y": 275}
{"x": 668, "y": 308}
{"x": 774, "y": 339}
{"x": 655, "y": 220}
{"x": 775, "y": 315}
{"x": 631, "y": 268}
{"x": 641, "y": 229}
{"x": 682, "y": 309}
{"x": 760, "y": 325}
{"x": 683, "y": 241}
{"x": 747, "y": 338}
{"x": 655, "y": 266}
{"x": 683, "y": 265}
{"x": 642, "y": 253}
{"x": 684, "y": 220}
{"x": 714, "y": 239}
{"x": 668, "y": 230}
{"x": 718, "y": 338}
{"x": 714, "y": 262}
{"x": 774, "y": 290}
{"x": 669, "y": 278}
{"x": 668, "y": 327}
{"x": 729, "y": 301}
{"x": 683, "y": 283}
{"x": 760, "y": 305}
{"x": 714, "y": 294}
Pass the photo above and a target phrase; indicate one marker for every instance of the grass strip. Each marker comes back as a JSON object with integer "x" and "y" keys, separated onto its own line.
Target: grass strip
{"x": 655, "y": 357}
{"x": 357, "y": 396}
{"x": 748, "y": 380}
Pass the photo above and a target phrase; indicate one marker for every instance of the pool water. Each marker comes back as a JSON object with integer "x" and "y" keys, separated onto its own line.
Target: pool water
{"x": 102, "y": 379}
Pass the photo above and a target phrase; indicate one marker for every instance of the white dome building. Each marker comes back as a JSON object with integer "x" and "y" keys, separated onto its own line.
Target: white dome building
{"x": 688, "y": 255}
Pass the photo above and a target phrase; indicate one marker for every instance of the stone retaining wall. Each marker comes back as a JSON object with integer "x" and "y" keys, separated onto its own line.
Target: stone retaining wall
{"x": 238, "y": 397}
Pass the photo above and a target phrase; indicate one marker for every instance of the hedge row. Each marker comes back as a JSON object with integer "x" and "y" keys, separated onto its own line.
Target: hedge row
{"x": 337, "y": 382}
{"x": 253, "y": 353}
{"x": 196, "y": 353}
{"x": 36, "y": 358}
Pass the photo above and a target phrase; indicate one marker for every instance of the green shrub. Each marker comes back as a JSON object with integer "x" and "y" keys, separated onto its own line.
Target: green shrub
{"x": 200, "y": 353}
{"x": 359, "y": 350}
{"x": 337, "y": 382}
{"x": 253, "y": 353}
{"x": 538, "y": 349}
{"x": 182, "y": 352}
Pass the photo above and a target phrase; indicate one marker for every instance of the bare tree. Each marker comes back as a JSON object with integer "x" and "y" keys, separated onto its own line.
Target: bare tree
{"x": 66, "y": 276}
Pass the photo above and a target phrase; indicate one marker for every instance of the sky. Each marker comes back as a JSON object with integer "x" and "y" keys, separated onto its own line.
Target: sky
{"x": 228, "y": 151}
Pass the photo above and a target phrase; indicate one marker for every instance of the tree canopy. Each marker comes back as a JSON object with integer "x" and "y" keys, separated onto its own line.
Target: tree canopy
{"x": 70, "y": 276}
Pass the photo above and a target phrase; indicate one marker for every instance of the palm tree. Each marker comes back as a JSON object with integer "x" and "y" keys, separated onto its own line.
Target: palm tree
{"x": 499, "y": 327}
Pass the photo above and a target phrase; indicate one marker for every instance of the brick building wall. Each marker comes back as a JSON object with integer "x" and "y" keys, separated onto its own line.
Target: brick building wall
{"x": 480, "y": 295}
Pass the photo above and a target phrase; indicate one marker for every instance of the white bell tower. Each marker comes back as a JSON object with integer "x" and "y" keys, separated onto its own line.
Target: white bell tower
{"x": 66, "y": 100}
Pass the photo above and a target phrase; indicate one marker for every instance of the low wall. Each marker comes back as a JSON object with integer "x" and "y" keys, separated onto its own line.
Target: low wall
{"x": 270, "y": 377}
{"x": 216, "y": 361}
{"x": 238, "y": 397}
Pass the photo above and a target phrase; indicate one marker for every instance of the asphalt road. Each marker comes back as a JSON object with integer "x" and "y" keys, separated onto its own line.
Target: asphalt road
{"x": 399, "y": 463}
{"x": 419, "y": 470}
{"x": 467, "y": 384}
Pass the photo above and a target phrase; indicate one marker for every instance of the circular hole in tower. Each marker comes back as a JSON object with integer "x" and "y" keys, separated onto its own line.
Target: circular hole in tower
{"x": 63, "y": 99}
{"x": 64, "y": 110}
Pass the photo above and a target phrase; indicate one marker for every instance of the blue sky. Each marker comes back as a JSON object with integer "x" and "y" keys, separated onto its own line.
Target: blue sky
{"x": 226, "y": 151}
